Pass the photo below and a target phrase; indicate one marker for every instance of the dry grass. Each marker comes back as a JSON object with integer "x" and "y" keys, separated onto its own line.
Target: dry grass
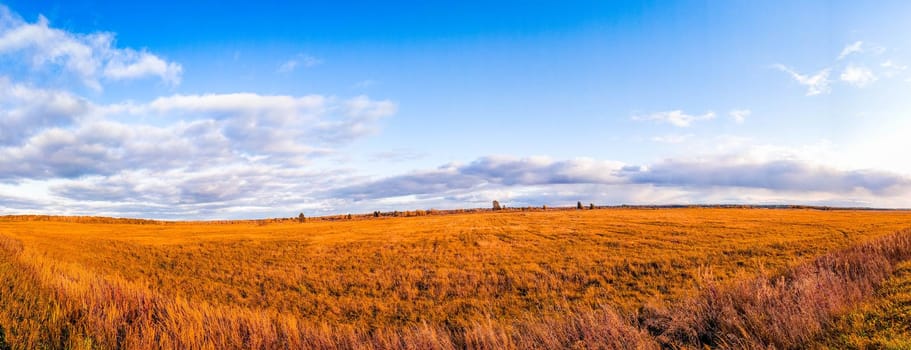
{"x": 480, "y": 280}
{"x": 882, "y": 323}
{"x": 786, "y": 311}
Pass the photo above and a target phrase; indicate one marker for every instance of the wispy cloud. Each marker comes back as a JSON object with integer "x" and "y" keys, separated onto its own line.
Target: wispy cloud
{"x": 816, "y": 84}
{"x": 302, "y": 60}
{"x": 288, "y": 66}
{"x": 673, "y": 138}
{"x": 855, "y": 47}
{"x": 739, "y": 115}
{"x": 853, "y": 73}
{"x": 676, "y": 118}
{"x": 398, "y": 155}
{"x": 891, "y": 68}
{"x": 858, "y": 76}
{"x": 363, "y": 84}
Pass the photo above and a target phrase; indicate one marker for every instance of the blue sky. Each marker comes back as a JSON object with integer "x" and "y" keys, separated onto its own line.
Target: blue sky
{"x": 241, "y": 110}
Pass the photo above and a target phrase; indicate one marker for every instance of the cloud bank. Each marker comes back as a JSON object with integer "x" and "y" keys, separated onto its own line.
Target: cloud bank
{"x": 198, "y": 155}
{"x": 702, "y": 176}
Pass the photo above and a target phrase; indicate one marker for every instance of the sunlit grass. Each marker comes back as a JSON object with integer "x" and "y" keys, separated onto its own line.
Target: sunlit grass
{"x": 438, "y": 280}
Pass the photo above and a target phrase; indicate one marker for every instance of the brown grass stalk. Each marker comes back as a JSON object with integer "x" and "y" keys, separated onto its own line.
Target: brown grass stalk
{"x": 785, "y": 311}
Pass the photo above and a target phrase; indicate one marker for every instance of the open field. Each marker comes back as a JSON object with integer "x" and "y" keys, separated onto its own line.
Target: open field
{"x": 463, "y": 280}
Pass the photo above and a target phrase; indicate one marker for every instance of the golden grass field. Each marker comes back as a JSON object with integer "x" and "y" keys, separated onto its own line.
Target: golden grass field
{"x": 476, "y": 280}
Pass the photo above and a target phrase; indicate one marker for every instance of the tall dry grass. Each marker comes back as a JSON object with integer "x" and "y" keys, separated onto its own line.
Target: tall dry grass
{"x": 884, "y": 322}
{"x": 58, "y": 293}
{"x": 786, "y": 311}
{"x": 54, "y": 306}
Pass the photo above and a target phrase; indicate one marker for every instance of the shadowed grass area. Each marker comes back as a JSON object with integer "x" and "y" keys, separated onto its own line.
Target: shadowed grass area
{"x": 3, "y": 344}
{"x": 883, "y": 323}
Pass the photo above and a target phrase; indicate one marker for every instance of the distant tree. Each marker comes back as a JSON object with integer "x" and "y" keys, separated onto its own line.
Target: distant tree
{"x": 591, "y": 206}
{"x": 579, "y": 205}
{"x": 544, "y": 207}
{"x": 348, "y": 216}
{"x": 301, "y": 218}
{"x": 376, "y": 214}
{"x": 496, "y": 205}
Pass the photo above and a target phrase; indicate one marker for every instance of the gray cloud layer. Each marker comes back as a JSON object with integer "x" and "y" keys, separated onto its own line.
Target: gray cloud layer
{"x": 706, "y": 175}
{"x": 484, "y": 172}
{"x": 786, "y": 175}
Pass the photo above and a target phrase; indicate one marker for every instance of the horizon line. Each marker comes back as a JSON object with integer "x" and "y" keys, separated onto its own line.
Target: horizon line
{"x": 433, "y": 211}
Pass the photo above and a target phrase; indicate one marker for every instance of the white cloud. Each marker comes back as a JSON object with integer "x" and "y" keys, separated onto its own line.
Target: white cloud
{"x": 184, "y": 155}
{"x": 855, "y": 47}
{"x": 816, "y": 84}
{"x": 397, "y": 155}
{"x": 129, "y": 64}
{"x": 672, "y": 138}
{"x": 363, "y": 84}
{"x": 25, "y": 110}
{"x": 288, "y": 66}
{"x": 277, "y": 123}
{"x": 889, "y": 64}
{"x": 363, "y": 106}
{"x": 858, "y": 76}
{"x": 234, "y": 154}
{"x": 676, "y": 118}
{"x": 273, "y": 107}
{"x": 304, "y": 60}
{"x": 90, "y": 57}
{"x": 209, "y": 130}
{"x": 891, "y": 68}
{"x": 739, "y": 115}
{"x": 310, "y": 61}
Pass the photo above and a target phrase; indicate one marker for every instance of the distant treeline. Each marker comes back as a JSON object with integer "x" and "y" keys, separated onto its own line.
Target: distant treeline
{"x": 78, "y": 219}
{"x": 411, "y": 213}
